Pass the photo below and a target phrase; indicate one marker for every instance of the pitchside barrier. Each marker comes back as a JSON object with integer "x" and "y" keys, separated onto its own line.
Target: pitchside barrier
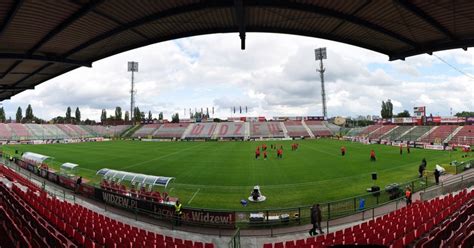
{"x": 362, "y": 206}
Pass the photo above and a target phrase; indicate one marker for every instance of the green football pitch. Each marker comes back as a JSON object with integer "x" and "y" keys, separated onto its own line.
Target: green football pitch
{"x": 219, "y": 174}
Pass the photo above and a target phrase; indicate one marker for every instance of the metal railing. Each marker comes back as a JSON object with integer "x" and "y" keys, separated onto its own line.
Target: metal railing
{"x": 235, "y": 239}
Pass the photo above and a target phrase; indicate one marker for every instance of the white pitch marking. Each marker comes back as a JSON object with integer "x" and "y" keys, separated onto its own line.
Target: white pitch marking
{"x": 195, "y": 193}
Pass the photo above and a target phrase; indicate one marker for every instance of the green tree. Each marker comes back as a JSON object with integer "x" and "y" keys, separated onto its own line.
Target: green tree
{"x": 78, "y": 115}
{"x": 160, "y": 116}
{"x": 2, "y": 115}
{"x": 137, "y": 115}
{"x": 464, "y": 114}
{"x": 19, "y": 115}
{"x": 383, "y": 112}
{"x": 29, "y": 114}
{"x": 118, "y": 113}
{"x": 103, "y": 116}
{"x": 127, "y": 116}
{"x": 150, "y": 117}
{"x": 68, "y": 115}
{"x": 175, "y": 118}
{"x": 58, "y": 120}
{"x": 405, "y": 113}
{"x": 389, "y": 108}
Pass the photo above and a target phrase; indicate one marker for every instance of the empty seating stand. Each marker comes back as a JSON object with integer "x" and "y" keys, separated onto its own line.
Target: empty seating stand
{"x": 381, "y": 131}
{"x": 431, "y": 223}
{"x": 465, "y": 136}
{"x": 296, "y": 129}
{"x": 439, "y": 134}
{"x": 171, "y": 130}
{"x": 318, "y": 128}
{"x": 146, "y": 130}
{"x": 42, "y": 221}
{"x": 369, "y": 129}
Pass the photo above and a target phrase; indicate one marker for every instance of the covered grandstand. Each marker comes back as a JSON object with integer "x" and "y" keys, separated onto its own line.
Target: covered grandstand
{"x": 40, "y": 40}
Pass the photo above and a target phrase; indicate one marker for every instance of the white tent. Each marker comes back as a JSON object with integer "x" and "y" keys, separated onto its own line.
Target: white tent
{"x": 34, "y": 157}
{"x": 135, "y": 177}
{"x": 68, "y": 168}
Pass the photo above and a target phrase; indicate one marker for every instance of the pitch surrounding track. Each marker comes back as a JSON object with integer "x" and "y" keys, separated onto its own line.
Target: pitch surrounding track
{"x": 220, "y": 174}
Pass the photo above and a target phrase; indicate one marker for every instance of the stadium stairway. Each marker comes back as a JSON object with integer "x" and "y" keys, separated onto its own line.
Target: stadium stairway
{"x": 404, "y": 133}
{"x": 129, "y": 132}
{"x": 285, "y": 131}
{"x": 307, "y": 129}
{"x": 247, "y": 131}
{"x": 448, "y": 139}
{"x": 427, "y": 133}
{"x": 187, "y": 131}
{"x": 393, "y": 130}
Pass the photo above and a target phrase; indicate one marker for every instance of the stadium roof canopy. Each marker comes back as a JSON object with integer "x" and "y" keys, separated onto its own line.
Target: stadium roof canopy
{"x": 40, "y": 40}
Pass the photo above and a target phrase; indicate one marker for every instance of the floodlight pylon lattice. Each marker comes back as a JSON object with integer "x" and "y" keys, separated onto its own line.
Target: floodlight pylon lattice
{"x": 133, "y": 67}
{"x": 320, "y": 54}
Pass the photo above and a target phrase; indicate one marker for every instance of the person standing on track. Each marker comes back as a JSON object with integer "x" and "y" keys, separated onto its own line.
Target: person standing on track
{"x": 343, "y": 151}
{"x": 372, "y": 155}
{"x": 315, "y": 220}
{"x": 401, "y": 149}
{"x": 178, "y": 212}
{"x": 257, "y": 153}
{"x": 408, "y": 195}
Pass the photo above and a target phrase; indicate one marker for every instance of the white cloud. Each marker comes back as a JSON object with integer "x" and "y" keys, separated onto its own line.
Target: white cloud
{"x": 276, "y": 75}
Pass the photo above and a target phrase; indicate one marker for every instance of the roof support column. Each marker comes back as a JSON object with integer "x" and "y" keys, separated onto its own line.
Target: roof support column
{"x": 240, "y": 16}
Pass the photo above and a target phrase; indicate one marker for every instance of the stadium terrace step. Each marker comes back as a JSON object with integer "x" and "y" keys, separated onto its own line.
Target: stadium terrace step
{"x": 49, "y": 222}
{"x": 395, "y": 133}
{"x": 228, "y": 130}
{"x": 432, "y": 129}
{"x": 382, "y": 131}
{"x": 285, "y": 131}
{"x": 437, "y": 218}
{"x": 318, "y": 128}
{"x": 439, "y": 134}
{"x": 415, "y": 133}
{"x": 404, "y": 133}
{"x": 5, "y": 132}
{"x": 266, "y": 130}
{"x": 201, "y": 131}
{"x": 452, "y": 134}
{"x": 369, "y": 129}
{"x": 307, "y": 129}
{"x": 146, "y": 130}
{"x": 296, "y": 129}
{"x": 464, "y": 136}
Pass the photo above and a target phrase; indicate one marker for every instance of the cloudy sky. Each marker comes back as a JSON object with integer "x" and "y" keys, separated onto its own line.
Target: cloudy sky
{"x": 275, "y": 76}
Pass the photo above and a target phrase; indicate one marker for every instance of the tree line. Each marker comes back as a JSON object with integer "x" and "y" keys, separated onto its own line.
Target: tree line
{"x": 118, "y": 117}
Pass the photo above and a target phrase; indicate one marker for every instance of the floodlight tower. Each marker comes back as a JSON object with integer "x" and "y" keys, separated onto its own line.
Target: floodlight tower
{"x": 320, "y": 54}
{"x": 133, "y": 67}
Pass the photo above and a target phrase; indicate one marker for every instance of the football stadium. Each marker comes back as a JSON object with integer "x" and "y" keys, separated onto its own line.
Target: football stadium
{"x": 288, "y": 166}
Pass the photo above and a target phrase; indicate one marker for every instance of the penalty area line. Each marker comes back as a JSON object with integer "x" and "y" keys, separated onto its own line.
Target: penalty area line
{"x": 192, "y": 198}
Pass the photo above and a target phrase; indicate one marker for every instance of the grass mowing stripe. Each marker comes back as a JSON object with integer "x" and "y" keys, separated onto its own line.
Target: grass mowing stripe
{"x": 225, "y": 172}
{"x": 158, "y": 158}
